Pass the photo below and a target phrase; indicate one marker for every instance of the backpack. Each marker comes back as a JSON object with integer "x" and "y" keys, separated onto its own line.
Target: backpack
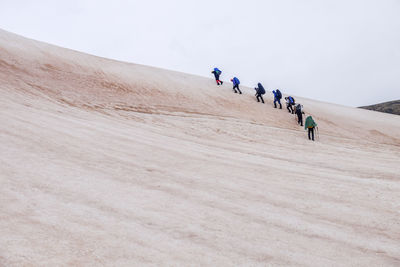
{"x": 217, "y": 71}
{"x": 291, "y": 100}
{"x": 236, "y": 80}
{"x": 310, "y": 123}
{"x": 298, "y": 108}
{"x": 278, "y": 94}
{"x": 261, "y": 89}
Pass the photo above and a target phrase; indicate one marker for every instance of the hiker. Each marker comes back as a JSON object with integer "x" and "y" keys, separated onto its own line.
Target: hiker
{"x": 259, "y": 92}
{"x": 310, "y": 125}
{"x": 236, "y": 83}
{"x": 290, "y": 103}
{"x": 277, "y": 98}
{"x": 299, "y": 113}
{"x": 217, "y": 73}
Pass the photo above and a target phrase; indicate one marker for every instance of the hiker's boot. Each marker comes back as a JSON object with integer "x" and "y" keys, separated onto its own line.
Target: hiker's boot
{"x": 280, "y": 106}
{"x": 275, "y": 105}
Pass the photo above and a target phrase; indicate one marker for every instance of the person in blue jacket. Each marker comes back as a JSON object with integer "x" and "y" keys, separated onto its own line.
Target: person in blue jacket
{"x": 277, "y": 98}
{"x": 217, "y": 73}
{"x": 236, "y": 83}
{"x": 259, "y": 92}
{"x": 290, "y": 103}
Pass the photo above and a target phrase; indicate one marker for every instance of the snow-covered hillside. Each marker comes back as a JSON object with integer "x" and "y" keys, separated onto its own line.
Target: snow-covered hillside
{"x": 111, "y": 163}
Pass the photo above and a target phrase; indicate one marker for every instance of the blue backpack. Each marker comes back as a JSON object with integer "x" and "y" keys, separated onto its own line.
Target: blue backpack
{"x": 217, "y": 71}
{"x": 278, "y": 94}
{"x": 291, "y": 100}
{"x": 236, "y": 80}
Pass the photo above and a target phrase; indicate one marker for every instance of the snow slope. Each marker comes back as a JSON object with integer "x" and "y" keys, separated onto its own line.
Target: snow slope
{"x": 111, "y": 163}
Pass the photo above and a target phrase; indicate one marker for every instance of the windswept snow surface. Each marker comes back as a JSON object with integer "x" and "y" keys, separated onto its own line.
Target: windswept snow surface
{"x": 110, "y": 163}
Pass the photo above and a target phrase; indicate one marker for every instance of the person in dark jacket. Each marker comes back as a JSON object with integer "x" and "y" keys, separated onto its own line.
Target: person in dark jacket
{"x": 277, "y": 98}
{"x": 236, "y": 83}
{"x": 290, "y": 103}
{"x": 310, "y": 125}
{"x": 217, "y": 73}
{"x": 299, "y": 113}
{"x": 259, "y": 92}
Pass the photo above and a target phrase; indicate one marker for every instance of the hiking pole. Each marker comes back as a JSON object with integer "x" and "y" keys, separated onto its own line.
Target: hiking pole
{"x": 317, "y": 133}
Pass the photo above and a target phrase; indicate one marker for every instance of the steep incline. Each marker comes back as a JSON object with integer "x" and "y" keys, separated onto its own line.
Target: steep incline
{"x": 105, "y": 162}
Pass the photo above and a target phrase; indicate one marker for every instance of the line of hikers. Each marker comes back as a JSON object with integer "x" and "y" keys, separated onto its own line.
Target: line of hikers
{"x": 291, "y": 106}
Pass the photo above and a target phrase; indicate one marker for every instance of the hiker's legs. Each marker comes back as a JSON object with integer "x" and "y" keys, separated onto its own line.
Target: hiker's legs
{"x": 290, "y": 108}
{"x": 237, "y": 87}
{"x": 275, "y": 102}
{"x": 300, "y": 118}
{"x": 311, "y": 131}
{"x": 280, "y": 105}
{"x": 260, "y": 96}
{"x": 217, "y": 79}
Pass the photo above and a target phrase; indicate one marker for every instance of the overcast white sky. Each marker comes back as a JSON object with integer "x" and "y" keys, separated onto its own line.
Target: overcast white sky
{"x": 346, "y": 52}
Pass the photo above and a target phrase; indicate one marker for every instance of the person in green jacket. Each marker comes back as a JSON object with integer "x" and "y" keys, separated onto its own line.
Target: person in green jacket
{"x": 310, "y": 125}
